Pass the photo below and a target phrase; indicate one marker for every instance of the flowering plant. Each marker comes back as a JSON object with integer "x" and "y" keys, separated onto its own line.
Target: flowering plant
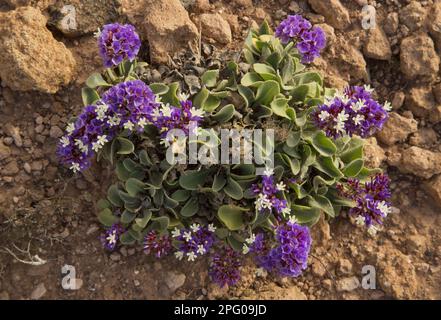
{"x": 229, "y": 211}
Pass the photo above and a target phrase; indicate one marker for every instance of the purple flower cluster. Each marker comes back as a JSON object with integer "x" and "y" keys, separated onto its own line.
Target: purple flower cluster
{"x": 125, "y": 106}
{"x": 111, "y": 236}
{"x": 371, "y": 198}
{"x": 159, "y": 245}
{"x": 185, "y": 118}
{"x": 118, "y": 42}
{"x": 224, "y": 267}
{"x": 268, "y": 193}
{"x": 194, "y": 242}
{"x": 310, "y": 41}
{"x": 352, "y": 112}
{"x": 290, "y": 256}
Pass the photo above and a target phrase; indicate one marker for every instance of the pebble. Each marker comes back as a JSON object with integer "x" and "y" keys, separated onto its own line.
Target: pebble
{"x": 174, "y": 280}
{"x": 38, "y": 292}
{"x": 115, "y": 256}
{"x": 55, "y": 132}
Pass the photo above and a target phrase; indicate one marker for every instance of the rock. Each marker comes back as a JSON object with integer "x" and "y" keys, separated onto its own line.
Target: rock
{"x": 200, "y": 6}
{"x": 38, "y": 292}
{"x": 165, "y": 24}
{"x": 420, "y": 162}
{"x": 418, "y": 56}
{"x": 243, "y": 3}
{"x": 433, "y": 188}
{"x": 39, "y": 4}
{"x": 345, "y": 267}
{"x": 5, "y": 151}
{"x": 420, "y": 101}
{"x": 437, "y": 92}
{"x": 347, "y": 284}
{"x": 31, "y": 58}
{"x": 174, "y": 280}
{"x": 374, "y": 154}
{"x": 391, "y": 23}
{"x": 396, "y": 129}
{"x": 398, "y": 100}
{"x": 10, "y": 169}
{"x": 377, "y": 45}
{"x": 413, "y": 16}
{"x": 14, "y": 133}
{"x": 115, "y": 256}
{"x": 434, "y": 24}
{"x": 213, "y": 26}
{"x": 55, "y": 132}
{"x": 333, "y": 11}
{"x": 78, "y": 17}
{"x": 4, "y": 295}
{"x": 273, "y": 291}
{"x": 425, "y": 137}
{"x": 435, "y": 115}
{"x": 318, "y": 269}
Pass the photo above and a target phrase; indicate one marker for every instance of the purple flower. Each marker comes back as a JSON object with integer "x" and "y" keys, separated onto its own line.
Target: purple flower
{"x": 224, "y": 267}
{"x": 111, "y": 236}
{"x": 290, "y": 255}
{"x": 269, "y": 195}
{"x": 310, "y": 41}
{"x": 371, "y": 199}
{"x": 159, "y": 245}
{"x": 118, "y": 42}
{"x": 193, "y": 242}
{"x": 352, "y": 112}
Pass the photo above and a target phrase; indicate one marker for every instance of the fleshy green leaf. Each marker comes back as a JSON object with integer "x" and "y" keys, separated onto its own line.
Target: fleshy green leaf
{"x": 107, "y": 218}
{"x": 267, "y": 91}
{"x": 233, "y": 189}
{"x": 209, "y": 78}
{"x": 190, "y": 208}
{"x": 231, "y": 216}
{"x": 90, "y": 96}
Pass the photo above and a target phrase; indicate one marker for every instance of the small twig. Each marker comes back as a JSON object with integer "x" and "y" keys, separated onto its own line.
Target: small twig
{"x": 324, "y": 266}
{"x": 33, "y": 260}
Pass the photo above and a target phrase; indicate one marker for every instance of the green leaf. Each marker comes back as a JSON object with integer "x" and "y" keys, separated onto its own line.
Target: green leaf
{"x": 293, "y": 139}
{"x": 125, "y": 146}
{"x": 326, "y": 165}
{"x": 225, "y": 114}
{"x": 160, "y": 223}
{"x": 159, "y": 88}
{"x": 127, "y": 238}
{"x": 96, "y": 80}
{"x": 192, "y": 179}
{"x": 323, "y": 144}
{"x": 171, "y": 96}
{"x": 113, "y": 195}
{"x": 265, "y": 71}
{"x": 102, "y": 204}
{"x": 144, "y": 158}
{"x": 353, "y": 168}
{"x": 233, "y": 189}
{"x": 280, "y": 106}
{"x": 267, "y": 91}
{"x": 181, "y": 195}
{"x": 306, "y": 215}
{"x": 134, "y": 186}
{"x": 209, "y": 78}
{"x": 231, "y": 216}
{"x": 251, "y": 79}
{"x": 107, "y": 218}
{"x": 190, "y": 208}
{"x": 322, "y": 203}
{"x": 219, "y": 182}
{"x": 247, "y": 94}
{"x": 144, "y": 220}
{"x": 127, "y": 217}
{"x": 90, "y": 96}
{"x": 211, "y": 103}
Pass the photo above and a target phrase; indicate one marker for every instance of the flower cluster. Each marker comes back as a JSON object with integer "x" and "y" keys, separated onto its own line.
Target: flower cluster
{"x": 111, "y": 236}
{"x": 352, "y": 112}
{"x": 194, "y": 241}
{"x": 290, "y": 256}
{"x": 224, "y": 267}
{"x": 118, "y": 42}
{"x": 186, "y": 118}
{"x": 159, "y": 245}
{"x": 371, "y": 199}
{"x": 268, "y": 193}
{"x": 125, "y": 106}
{"x": 310, "y": 41}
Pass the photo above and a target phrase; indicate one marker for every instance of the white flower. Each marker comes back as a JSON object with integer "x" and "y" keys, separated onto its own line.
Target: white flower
{"x": 179, "y": 145}
{"x": 268, "y": 171}
{"x": 197, "y": 112}
{"x": 70, "y": 128}
{"x": 156, "y": 113}
{"x": 251, "y": 239}
{"x": 179, "y": 255}
{"x": 368, "y": 88}
{"x": 101, "y": 111}
{"x": 262, "y": 202}
{"x": 372, "y": 230}
{"x": 183, "y": 96}
{"x": 387, "y": 106}
{"x": 201, "y": 249}
{"x": 281, "y": 186}
{"x": 261, "y": 272}
{"x": 142, "y": 122}
{"x": 114, "y": 121}
{"x": 176, "y": 233}
{"x": 64, "y": 141}
{"x": 286, "y": 211}
{"x": 187, "y": 236}
{"x": 111, "y": 239}
{"x": 358, "y": 119}
{"x": 191, "y": 256}
{"x": 165, "y": 142}
{"x": 97, "y": 33}
{"x": 360, "y": 220}
{"x": 293, "y": 220}
{"x": 343, "y": 97}
{"x": 99, "y": 143}
{"x": 358, "y": 105}
{"x": 75, "y": 167}
{"x": 323, "y": 115}
{"x": 195, "y": 227}
{"x": 96, "y": 146}
{"x": 341, "y": 118}
{"x": 158, "y": 99}
{"x": 211, "y": 227}
{"x": 81, "y": 146}
{"x": 384, "y": 208}
{"x": 129, "y": 125}
{"x": 245, "y": 249}
{"x": 166, "y": 110}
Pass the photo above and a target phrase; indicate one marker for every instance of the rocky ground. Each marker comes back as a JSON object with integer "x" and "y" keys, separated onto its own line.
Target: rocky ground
{"x": 47, "y": 52}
